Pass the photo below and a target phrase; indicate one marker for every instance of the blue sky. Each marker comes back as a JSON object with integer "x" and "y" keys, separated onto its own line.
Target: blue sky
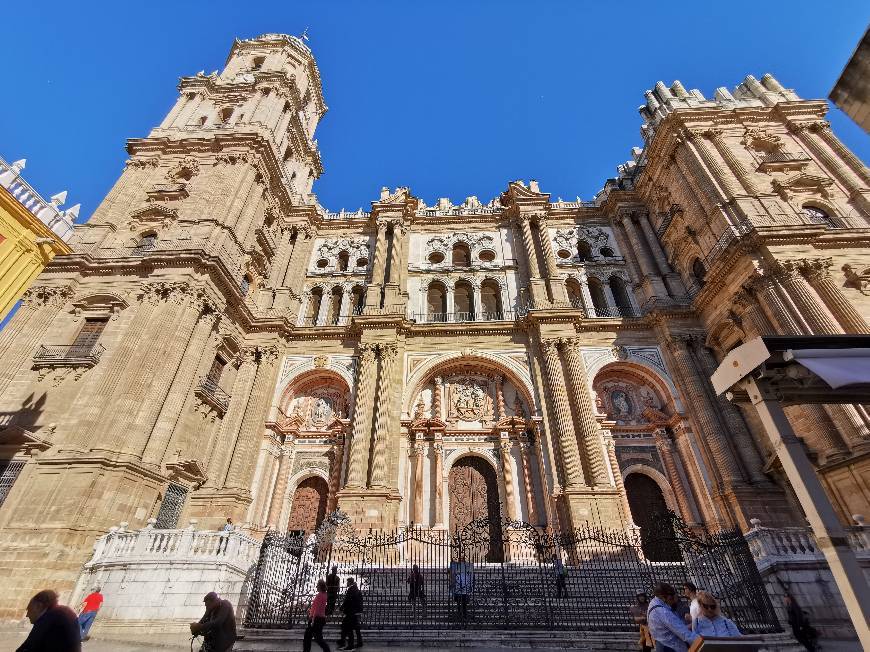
{"x": 450, "y": 98}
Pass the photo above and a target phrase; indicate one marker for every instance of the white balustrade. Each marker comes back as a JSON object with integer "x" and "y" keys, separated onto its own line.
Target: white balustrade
{"x": 770, "y": 546}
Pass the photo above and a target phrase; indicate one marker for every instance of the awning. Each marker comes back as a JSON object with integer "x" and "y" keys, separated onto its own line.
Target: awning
{"x": 837, "y": 367}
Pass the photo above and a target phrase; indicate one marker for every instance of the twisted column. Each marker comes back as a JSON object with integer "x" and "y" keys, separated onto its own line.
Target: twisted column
{"x": 362, "y": 416}
{"x": 337, "y": 454}
{"x": 584, "y": 411}
{"x": 389, "y": 353}
{"x": 708, "y": 422}
{"x": 499, "y": 398}
{"x": 436, "y": 398}
{"x": 508, "y": 474}
{"x": 570, "y": 453}
{"x": 817, "y": 273}
{"x": 242, "y": 464}
{"x": 531, "y": 504}
{"x": 666, "y": 451}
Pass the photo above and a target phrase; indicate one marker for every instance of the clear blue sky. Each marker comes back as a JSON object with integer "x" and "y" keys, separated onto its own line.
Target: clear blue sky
{"x": 449, "y": 98}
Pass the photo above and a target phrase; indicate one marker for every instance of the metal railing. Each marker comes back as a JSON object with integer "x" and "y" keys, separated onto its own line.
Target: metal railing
{"x": 454, "y": 317}
{"x": 337, "y": 320}
{"x": 615, "y": 312}
{"x": 783, "y": 157}
{"x": 210, "y": 391}
{"x": 68, "y": 354}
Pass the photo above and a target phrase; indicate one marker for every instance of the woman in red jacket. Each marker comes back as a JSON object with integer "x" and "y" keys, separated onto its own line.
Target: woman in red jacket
{"x": 316, "y": 620}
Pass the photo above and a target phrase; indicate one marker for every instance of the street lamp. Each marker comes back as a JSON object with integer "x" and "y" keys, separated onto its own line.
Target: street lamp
{"x": 792, "y": 370}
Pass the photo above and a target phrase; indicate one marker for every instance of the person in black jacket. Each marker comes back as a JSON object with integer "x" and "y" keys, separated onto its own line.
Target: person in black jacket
{"x": 218, "y": 624}
{"x": 333, "y": 587}
{"x": 352, "y": 607}
{"x": 55, "y": 627}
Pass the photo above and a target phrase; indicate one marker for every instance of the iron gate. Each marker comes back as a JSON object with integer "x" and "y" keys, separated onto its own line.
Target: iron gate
{"x": 519, "y": 590}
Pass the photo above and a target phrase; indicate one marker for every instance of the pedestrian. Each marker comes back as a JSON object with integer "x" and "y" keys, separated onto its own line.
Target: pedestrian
{"x": 668, "y": 630}
{"x": 88, "y": 611}
{"x": 416, "y": 586}
{"x": 333, "y": 588}
{"x": 217, "y": 625}
{"x": 224, "y": 541}
{"x": 461, "y": 584}
{"x": 561, "y": 577}
{"x": 711, "y": 622}
{"x": 690, "y": 591}
{"x": 316, "y": 620}
{"x": 352, "y": 608}
{"x": 805, "y": 633}
{"x": 638, "y": 612}
{"x": 55, "y": 626}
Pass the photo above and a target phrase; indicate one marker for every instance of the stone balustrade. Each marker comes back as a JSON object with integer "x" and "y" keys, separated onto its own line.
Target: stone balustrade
{"x": 793, "y": 544}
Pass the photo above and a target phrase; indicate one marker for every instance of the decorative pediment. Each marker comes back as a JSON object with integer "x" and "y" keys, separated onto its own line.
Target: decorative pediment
{"x": 519, "y": 193}
{"x": 803, "y": 183}
{"x": 156, "y": 215}
{"x": 191, "y": 471}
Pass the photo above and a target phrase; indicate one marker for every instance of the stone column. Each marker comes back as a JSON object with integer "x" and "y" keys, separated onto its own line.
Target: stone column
{"x": 823, "y": 130}
{"x": 282, "y": 258}
{"x": 588, "y": 304}
{"x": 416, "y": 453}
{"x": 610, "y": 447}
{"x": 242, "y": 464}
{"x": 815, "y": 313}
{"x": 323, "y": 310}
{"x": 451, "y": 305}
{"x": 807, "y": 134}
{"x": 499, "y": 398}
{"x": 379, "y": 268}
{"x": 764, "y": 288}
{"x": 297, "y": 259}
{"x": 362, "y": 417}
{"x": 528, "y": 483}
{"x": 529, "y": 246}
{"x": 565, "y": 436}
{"x": 708, "y": 423}
{"x": 477, "y": 308}
{"x": 743, "y": 176}
{"x": 182, "y": 384}
{"x": 744, "y": 444}
{"x": 716, "y": 173}
{"x": 584, "y": 413}
{"x": 389, "y": 353}
{"x": 439, "y": 484}
{"x": 691, "y": 464}
{"x": 654, "y": 284}
{"x": 816, "y": 272}
{"x": 666, "y": 450}
{"x": 276, "y": 501}
{"x": 557, "y": 288}
{"x": 508, "y": 474}
{"x": 344, "y": 310}
{"x": 232, "y": 421}
{"x": 655, "y": 246}
{"x": 335, "y": 468}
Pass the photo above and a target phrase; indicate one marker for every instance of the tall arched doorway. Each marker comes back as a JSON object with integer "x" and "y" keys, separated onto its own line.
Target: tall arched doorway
{"x": 309, "y": 505}
{"x": 473, "y": 490}
{"x": 648, "y": 509}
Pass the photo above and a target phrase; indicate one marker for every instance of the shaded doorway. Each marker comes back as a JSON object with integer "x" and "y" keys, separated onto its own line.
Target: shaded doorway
{"x": 649, "y": 511}
{"x": 309, "y": 505}
{"x": 473, "y": 490}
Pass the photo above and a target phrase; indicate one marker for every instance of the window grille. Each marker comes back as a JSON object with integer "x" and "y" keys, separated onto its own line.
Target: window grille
{"x": 170, "y": 508}
{"x": 9, "y": 470}
{"x": 88, "y": 335}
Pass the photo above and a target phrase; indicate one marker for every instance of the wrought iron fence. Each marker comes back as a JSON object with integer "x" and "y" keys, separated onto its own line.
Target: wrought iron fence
{"x": 496, "y": 574}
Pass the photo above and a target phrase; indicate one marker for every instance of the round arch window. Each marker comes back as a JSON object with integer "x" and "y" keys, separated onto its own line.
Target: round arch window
{"x": 487, "y": 255}
{"x": 607, "y": 252}
{"x": 322, "y": 263}
{"x": 564, "y": 254}
{"x": 362, "y": 262}
{"x": 436, "y": 257}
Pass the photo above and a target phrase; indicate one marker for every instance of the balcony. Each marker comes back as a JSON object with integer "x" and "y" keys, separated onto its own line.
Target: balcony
{"x": 210, "y": 393}
{"x": 67, "y": 355}
{"x": 461, "y": 317}
{"x": 782, "y": 161}
{"x": 615, "y": 312}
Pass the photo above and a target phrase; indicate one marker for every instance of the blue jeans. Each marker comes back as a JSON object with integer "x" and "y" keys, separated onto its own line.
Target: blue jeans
{"x": 85, "y": 622}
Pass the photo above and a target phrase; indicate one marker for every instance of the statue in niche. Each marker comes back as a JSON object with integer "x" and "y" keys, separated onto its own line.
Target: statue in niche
{"x": 321, "y": 412}
{"x": 419, "y": 409}
{"x": 519, "y": 412}
{"x": 621, "y": 405}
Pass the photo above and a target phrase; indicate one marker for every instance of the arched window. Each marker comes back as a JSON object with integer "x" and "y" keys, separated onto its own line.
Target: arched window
{"x": 620, "y": 296}
{"x": 184, "y": 174}
{"x": 358, "y": 298}
{"x": 575, "y": 292}
{"x": 334, "y": 316}
{"x": 225, "y": 114}
{"x": 698, "y": 271}
{"x": 202, "y": 120}
{"x": 607, "y": 252}
{"x": 436, "y": 302}
{"x": 461, "y": 255}
{"x": 343, "y": 261}
{"x": 599, "y": 300}
{"x": 245, "y": 285}
{"x": 490, "y": 299}
{"x": 818, "y": 216}
{"x": 463, "y": 299}
{"x": 314, "y": 302}
{"x": 146, "y": 243}
{"x": 257, "y": 63}
{"x": 584, "y": 251}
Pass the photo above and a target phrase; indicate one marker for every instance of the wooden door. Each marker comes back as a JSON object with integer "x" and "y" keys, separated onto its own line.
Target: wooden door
{"x": 473, "y": 491}
{"x": 309, "y": 505}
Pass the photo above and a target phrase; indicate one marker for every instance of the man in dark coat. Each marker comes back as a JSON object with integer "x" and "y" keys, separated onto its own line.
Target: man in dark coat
{"x": 333, "y": 587}
{"x": 55, "y": 627}
{"x": 352, "y": 607}
{"x": 218, "y": 625}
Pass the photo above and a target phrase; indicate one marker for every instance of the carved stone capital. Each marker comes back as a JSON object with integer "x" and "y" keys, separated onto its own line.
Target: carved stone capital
{"x": 247, "y": 355}
{"x": 816, "y": 268}
{"x": 389, "y": 351}
{"x": 268, "y": 353}
{"x": 548, "y": 346}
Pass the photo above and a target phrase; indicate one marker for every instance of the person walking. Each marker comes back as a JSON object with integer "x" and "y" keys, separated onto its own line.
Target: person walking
{"x": 638, "y": 612}
{"x": 217, "y": 625}
{"x": 561, "y": 577}
{"x": 800, "y": 625}
{"x": 333, "y": 587}
{"x": 224, "y": 541}
{"x": 667, "y": 628}
{"x": 711, "y": 622}
{"x": 88, "y": 611}
{"x": 55, "y": 626}
{"x": 352, "y": 608}
{"x": 416, "y": 587}
{"x": 316, "y": 620}
{"x": 690, "y": 591}
{"x": 461, "y": 585}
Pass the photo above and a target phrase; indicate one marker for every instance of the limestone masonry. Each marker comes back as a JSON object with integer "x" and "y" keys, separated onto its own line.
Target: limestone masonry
{"x": 221, "y": 345}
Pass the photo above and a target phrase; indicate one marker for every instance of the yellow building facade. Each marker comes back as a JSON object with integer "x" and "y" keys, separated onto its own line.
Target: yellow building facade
{"x": 32, "y": 232}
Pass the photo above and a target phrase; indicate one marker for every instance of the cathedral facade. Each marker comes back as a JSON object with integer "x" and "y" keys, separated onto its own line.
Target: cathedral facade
{"x": 220, "y": 345}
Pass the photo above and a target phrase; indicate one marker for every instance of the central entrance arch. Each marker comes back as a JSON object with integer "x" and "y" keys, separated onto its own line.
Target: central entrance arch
{"x": 473, "y": 490}
{"x": 648, "y": 508}
{"x": 309, "y": 505}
